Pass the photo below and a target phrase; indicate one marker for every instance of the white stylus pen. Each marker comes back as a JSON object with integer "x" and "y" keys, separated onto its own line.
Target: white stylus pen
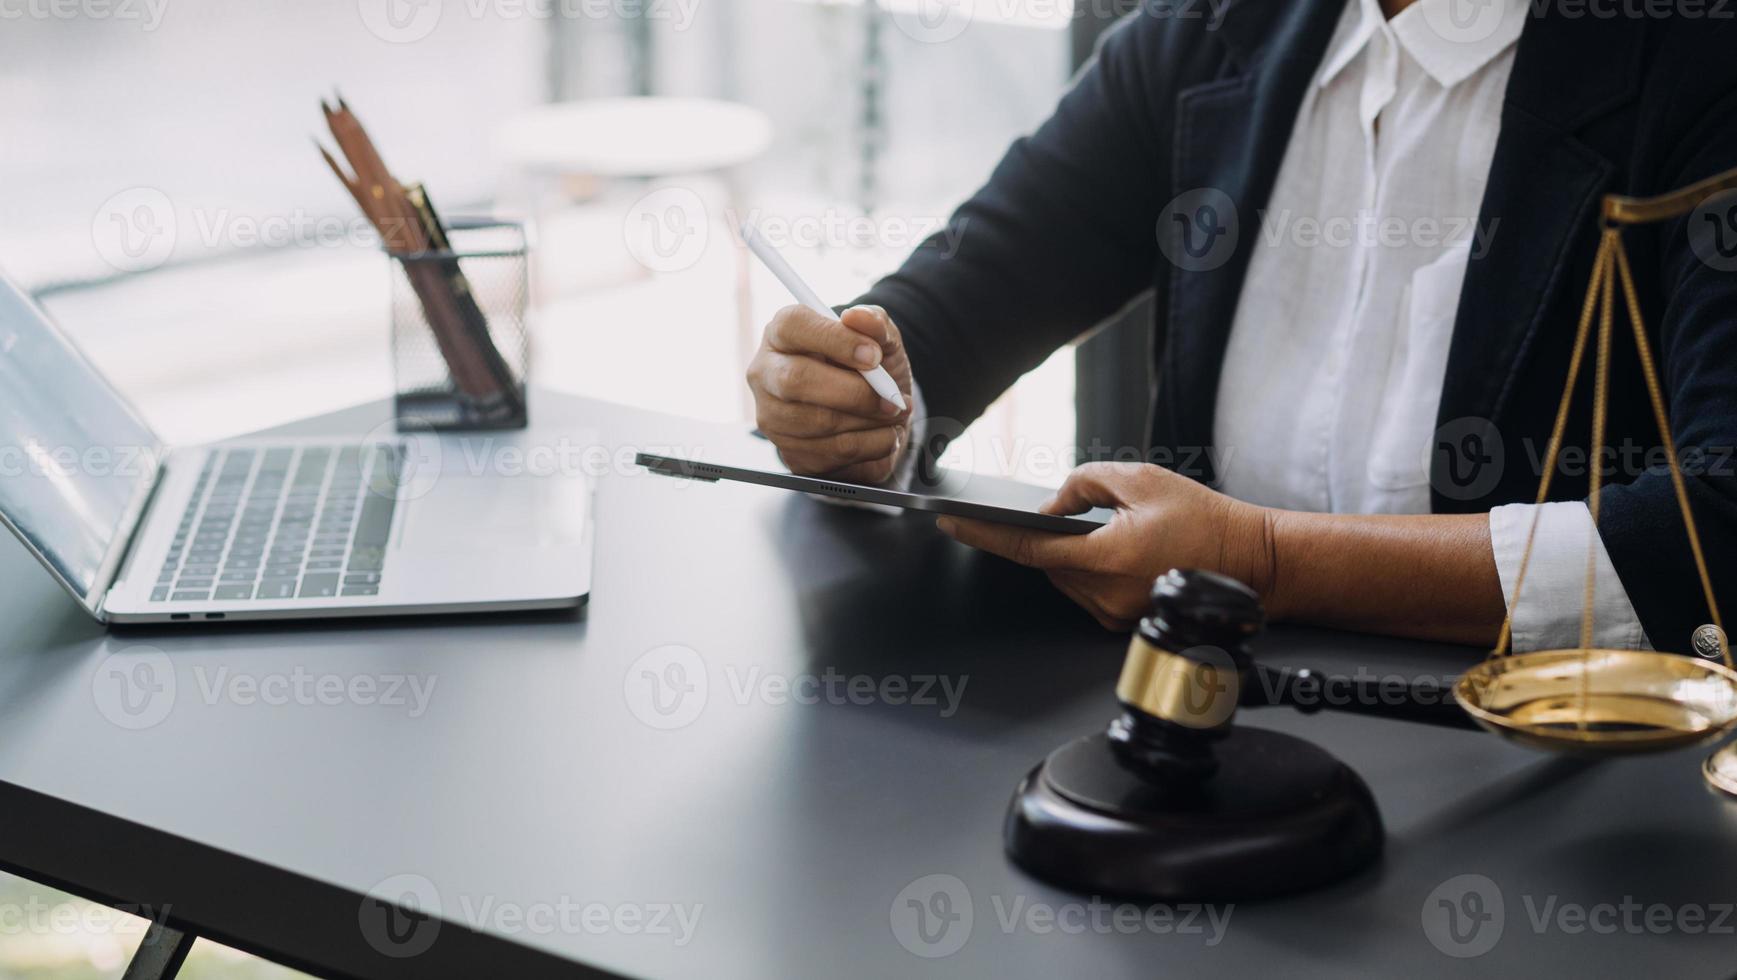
{"x": 877, "y": 376}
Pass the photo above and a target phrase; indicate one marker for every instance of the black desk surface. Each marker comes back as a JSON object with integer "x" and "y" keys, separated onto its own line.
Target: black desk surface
{"x": 540, "y": 798}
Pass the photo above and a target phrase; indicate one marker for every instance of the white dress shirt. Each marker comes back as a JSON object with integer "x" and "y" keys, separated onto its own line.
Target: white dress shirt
{"x": 1333, "y": 374}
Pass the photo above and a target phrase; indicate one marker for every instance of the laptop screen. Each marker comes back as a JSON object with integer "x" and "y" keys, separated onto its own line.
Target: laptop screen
{"x": 74, "y": 459}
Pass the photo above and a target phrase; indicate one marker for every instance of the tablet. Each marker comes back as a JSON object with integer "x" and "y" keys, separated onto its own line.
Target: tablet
{"x": 957, "y": 494}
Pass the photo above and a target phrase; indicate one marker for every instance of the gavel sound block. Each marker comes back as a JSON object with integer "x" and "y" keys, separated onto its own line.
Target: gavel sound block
{"x": 1173, "y": 801}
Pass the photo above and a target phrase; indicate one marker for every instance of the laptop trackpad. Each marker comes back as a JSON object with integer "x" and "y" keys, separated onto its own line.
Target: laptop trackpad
{"x": 461, "y": 512}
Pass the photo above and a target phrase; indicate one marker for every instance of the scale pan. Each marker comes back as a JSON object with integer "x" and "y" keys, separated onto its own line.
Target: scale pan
{"x": 1636, "y": 701}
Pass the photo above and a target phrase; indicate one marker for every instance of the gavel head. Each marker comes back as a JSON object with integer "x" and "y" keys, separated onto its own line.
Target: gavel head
{"x": 1187, "y": 664}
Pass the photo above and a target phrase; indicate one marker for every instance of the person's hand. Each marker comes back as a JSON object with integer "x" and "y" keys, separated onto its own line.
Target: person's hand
{"x": 1163, "y": 521}
{"x": 814, "y": 406}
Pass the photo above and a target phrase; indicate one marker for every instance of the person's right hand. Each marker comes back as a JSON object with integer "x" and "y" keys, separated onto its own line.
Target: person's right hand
{"x": 814, "y": 406}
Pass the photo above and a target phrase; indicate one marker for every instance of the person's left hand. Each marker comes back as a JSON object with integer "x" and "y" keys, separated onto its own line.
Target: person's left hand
{"x": 1163, "y": 521}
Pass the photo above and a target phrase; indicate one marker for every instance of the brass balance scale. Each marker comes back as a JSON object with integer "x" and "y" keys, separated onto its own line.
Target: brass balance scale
{"x": 1590, "y": 700}
{"x": 1174, "y": 801}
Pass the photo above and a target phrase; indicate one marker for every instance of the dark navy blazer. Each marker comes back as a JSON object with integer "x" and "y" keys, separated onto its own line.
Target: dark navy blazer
{"x": 1070, "y": 225}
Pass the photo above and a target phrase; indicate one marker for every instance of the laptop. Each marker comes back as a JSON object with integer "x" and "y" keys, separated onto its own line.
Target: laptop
{"x": 264, "y": 529}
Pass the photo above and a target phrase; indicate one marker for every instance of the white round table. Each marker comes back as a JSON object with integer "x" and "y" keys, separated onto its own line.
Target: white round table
{"x": 634, "y": 137}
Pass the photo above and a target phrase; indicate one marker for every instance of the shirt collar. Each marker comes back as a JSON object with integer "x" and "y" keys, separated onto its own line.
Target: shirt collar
{"x": 1439, "y": 35}
{"x": 1362, "y": 18}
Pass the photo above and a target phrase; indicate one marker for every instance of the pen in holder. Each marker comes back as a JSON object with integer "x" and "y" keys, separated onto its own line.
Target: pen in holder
{"x": 460, "y": 348}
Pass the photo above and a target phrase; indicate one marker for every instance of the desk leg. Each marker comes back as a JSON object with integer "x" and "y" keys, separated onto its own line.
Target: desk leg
{"x": 160, "y": 955}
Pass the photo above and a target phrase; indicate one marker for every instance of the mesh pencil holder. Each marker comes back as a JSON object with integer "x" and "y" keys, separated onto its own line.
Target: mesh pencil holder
{"x": 460, "y": 347}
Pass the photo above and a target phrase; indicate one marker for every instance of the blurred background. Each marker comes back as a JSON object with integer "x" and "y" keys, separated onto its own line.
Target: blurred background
{"x": 161, "y": 195}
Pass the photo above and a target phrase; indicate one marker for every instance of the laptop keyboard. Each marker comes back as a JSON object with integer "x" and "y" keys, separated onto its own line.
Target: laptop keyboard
{"x": 284, "y": 522}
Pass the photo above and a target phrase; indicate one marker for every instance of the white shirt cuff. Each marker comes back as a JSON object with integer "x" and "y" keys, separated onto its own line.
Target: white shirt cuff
{"x": 906, "y": 472}
{"x": 1547, "y": 616}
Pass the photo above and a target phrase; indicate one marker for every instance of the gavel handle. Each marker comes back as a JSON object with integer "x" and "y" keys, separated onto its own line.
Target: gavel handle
{"x": 1426, "y": 700}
